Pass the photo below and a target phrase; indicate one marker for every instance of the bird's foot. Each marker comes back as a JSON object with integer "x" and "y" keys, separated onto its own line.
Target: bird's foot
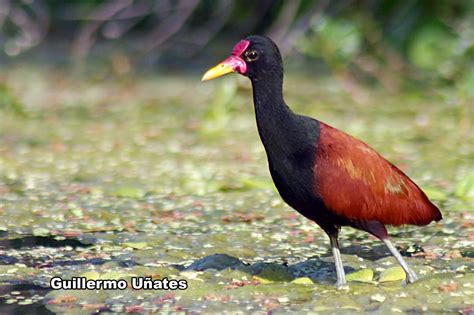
{"x": 411, "y": 276}
{"x": 341, "y": 284}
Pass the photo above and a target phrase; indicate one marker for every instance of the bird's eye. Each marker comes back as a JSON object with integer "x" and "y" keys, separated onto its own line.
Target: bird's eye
{"x": 251, "y": 55}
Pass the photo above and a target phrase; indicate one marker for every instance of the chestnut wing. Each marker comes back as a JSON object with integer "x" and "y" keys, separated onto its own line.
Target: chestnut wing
{"x": 357, "y": 183}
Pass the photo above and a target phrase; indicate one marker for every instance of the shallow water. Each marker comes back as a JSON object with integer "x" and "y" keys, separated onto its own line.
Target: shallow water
{"x": 166, "y": 177}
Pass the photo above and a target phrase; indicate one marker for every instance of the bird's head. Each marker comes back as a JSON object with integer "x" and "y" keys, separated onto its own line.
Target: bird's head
{"x": 251, "y": 57}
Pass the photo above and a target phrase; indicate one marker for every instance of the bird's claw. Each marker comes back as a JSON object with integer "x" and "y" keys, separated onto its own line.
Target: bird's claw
{"x": 411, "y": 277}
{"x": 341, "y": 285}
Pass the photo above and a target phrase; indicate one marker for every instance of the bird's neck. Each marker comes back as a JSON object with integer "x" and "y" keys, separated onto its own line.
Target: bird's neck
{"x": 275, "y": 121}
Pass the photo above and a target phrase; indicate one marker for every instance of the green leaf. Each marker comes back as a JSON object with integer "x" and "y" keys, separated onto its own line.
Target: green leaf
{"x": 302, "y": 280}
{"x": 431, "y": 47}
{"x": 40, "y": 231}
{"x": 435, "y": 194}
{"x": 113, "y": 275}
{"x": 466, "y": 84}
{"x": 9, "y": 102}
{"x": 128, "y": 192}
{"x": 275, "y": 273}
{"x": 262, "y": 280}
{"x": 462, "y": 206}
{"x": 465, "y": 188}
{"x": 362, "y": 275}
{"x": 91, "y": 275}
{"x": 392, "y": 274}
{"x": 255, "y": 183}
{"x": 218, "y": 113}
{"x": 337, "y": 40}
{"x": 377, "y": 297}
{"x": 136, "y": 245}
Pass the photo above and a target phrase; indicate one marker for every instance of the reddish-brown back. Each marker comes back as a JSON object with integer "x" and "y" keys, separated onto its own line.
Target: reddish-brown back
{"x": 357, "y": 183}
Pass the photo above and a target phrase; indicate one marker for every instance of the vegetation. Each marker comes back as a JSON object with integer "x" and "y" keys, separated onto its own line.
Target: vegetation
{"x": 116, "y": 161}
{"x": 385, "y": 40}
{"x": 140, "y": 177}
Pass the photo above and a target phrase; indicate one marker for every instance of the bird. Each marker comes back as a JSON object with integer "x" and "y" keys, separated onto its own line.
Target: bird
{"x": 325, "y": 174}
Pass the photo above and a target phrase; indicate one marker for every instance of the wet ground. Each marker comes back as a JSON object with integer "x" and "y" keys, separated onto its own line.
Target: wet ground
{"x": 166, "y": 177}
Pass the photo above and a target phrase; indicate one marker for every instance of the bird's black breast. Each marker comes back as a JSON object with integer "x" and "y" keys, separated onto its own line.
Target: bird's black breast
{"x": 293, "y": 171}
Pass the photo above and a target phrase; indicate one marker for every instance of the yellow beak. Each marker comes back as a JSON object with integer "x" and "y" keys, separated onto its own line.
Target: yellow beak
{"x": 231, "y": 64}
{"x": 217, "y": 71}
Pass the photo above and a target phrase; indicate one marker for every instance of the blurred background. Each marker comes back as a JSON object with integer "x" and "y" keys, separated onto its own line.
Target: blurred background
{"x": 124, "y": 77}
{"x": 376, "y": 42}
{"x": 112, "y": 149}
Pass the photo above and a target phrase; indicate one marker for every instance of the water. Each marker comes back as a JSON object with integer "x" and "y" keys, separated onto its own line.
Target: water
{"x": 166, "y": 177}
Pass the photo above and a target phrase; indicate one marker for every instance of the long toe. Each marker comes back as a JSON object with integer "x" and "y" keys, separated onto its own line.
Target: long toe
{"x": 411, "y": 276}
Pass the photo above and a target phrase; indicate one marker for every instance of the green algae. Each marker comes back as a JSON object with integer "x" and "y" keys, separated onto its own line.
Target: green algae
{"x": 115, "y": 179}
{"x": 392, "y": 274}
{"x": 363, "y": 275}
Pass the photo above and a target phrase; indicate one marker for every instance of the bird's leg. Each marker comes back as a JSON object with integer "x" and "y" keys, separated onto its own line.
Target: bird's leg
{"x": 341, "y": 277}
{"x": 411, "y": 275}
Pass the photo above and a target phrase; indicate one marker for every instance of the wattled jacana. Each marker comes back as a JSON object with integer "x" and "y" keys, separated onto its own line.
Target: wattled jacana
{"x": 325, "y": 174}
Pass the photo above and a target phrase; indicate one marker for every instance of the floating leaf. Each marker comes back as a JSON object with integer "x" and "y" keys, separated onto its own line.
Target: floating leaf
{"x": 378, "y": 297}
{"x": 91, "y": 275}
{"x": 337, "y": 40}
{"x": 431, "y": 47}
{"x": 275, "y": 274}
{"x": 9, "y": 102}
{"x": 113, "y": 275}
{"x": 191, "y": 274}
{"x": 136, "y": 245}
{"x": 60, "y": 299}
{"x": 362, "y": 275}
{"x": 302, "y": 280}
{"x": 219, "y": 111}
{"x": 245, "y": 183}
{"x": 392, "y": 274}
{"x": 128, "y": 192}
{"x": 40, "y": 231}
{"x": 255, "y": 183}
{"x": 465, "y": 188}
{"x": 462, "y": 206}
{"x": 466, "y": 84}
{"x": 322, "y": 308}
{"x": 262, "y": 280}
{"x": 435, "y": 194}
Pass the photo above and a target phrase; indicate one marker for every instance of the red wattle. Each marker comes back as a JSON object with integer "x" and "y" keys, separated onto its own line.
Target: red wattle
{"x": 240, "y": 48}
{"x": 237, "y": 64}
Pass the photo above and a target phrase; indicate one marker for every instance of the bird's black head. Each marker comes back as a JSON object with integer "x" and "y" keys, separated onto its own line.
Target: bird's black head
{"x": 255, "y": 57}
